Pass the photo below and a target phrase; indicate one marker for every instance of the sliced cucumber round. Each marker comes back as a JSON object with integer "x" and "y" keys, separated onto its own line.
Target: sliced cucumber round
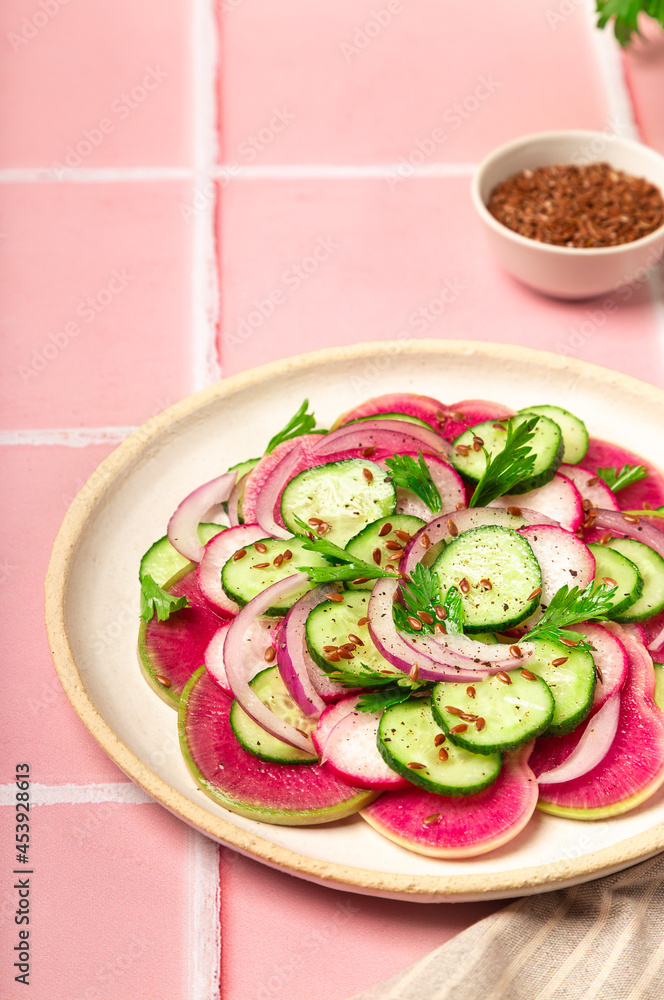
{"x": 272, "y": 691}
{"x": 266, "y": 562}
{"x": 162, "y": 561}
{"x": 406, "y": 417}
{"x": 243, "y": 470}
{"x": 572, "y": 683}
{"x": 574, "y": 432}
{"x": 331, "y": 625}
{"x": 494, "y": 714}
{"x": 467, "y": 455}
{"x": 379, "y": 543}
{"x": 658, "y": 696}
{"x": 346, "y": 495}
{"x": 613, "y": 565}
{"x": 651, "y": 567}
{"x": 497, "y": 574}
{"x": 408, "y": 735}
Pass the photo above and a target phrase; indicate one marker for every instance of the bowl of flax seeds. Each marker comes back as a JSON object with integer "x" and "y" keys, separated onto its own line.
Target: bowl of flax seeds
{"x": 573, "y": 214}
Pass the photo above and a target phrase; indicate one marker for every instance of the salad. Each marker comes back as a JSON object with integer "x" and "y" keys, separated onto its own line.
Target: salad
{"x": 438, "y": 617}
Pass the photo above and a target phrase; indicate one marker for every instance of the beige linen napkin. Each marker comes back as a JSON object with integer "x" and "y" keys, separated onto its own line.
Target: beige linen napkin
{"x": 600, "y": 941}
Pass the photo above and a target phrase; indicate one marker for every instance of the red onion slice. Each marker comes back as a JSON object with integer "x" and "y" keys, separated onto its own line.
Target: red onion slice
{"x": 610, "y": 658}
{"x": 598, "y": 493}
{"x": 236, "y": 668}
{"x": 438, "y": 530}
{"x": 396, "y": 435}
{"x": 632, "y": 527}
{"x": 216, "y": 554}
{"x": 295, "y": 664}
{"x": 183, "y": 525}
{"x": 234, "y": 501}
{"x": 447, "y": 481}
{"x": 592, "y": 747}
{"x": 268, "y": 498}
{"x": 258, "y": 638}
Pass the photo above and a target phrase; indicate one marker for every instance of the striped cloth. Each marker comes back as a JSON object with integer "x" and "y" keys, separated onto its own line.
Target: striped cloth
{"x": 600, "y": 941}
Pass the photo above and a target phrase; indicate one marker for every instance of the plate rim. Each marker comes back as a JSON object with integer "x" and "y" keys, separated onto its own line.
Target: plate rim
{"x": 446, "y": 887}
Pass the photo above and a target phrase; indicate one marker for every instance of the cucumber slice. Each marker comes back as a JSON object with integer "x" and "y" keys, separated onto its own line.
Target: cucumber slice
{"x": 331, "y": 624}
{"x": 613, "y": 565}
{"x": 243, "y": 470}
{"x": 573, "y": 430}
{"x": 407, "y": 735}
{"x": 406, "y": 417}
{"x": 162, "y": 561}
{"x": 496, "y": 572}
{"x": 245, "y": 578}
{"x": 651, "y": 567}
{"x": 341, "y": 494}
{"x": 571, "y": 683}
{"x": 658, "y": 696}
{"x": 513, "y": 713}
{"x": 547, "y": 443}
{"x": 381, "y": 535}
{"x": 272, "y": 691}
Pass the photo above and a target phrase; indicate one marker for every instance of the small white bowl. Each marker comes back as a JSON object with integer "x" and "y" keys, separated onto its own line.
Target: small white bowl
{"x": 569, "y": 272}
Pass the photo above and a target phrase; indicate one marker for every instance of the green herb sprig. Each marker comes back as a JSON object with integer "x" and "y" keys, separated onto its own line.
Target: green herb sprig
{"x": 506, "y": 468}
{"x": 154, "y": 599}
{"x": 377, "y": 701}
{"x": 415, "y": 476}
{"x": 617, "y": 479}
{"x": 345, "y": 566}
{"x": 625, "y": 16}
{"x": 422, "y": 594}
{"x": 301, "y": 423}
{"x": 571, "y": 607}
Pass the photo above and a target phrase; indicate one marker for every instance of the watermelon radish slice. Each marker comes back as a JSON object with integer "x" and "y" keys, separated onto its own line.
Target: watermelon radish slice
{"x": 597, "y": 493}
{"x": 447, "y": 481}
{"x": 633, "y": 769}
{"x": 468, "y": 412}
{"x": 423, "y": 407}
{"x": 217, "y": 553}
{"x": 261, "y": 472}
{"x": 443, "y": 826}
{"x": 350, "y": 750}
{"x": 169, "y": 652}
{"x": 592, "y": 748}
{"x": 650, "y": 490}
{"x": 235, "y": 779}
{"x": 257, "y": 639}
{"x": 558, "y": 499}
{"x": 563, "y": 559}
{"x": 610, "y": 658}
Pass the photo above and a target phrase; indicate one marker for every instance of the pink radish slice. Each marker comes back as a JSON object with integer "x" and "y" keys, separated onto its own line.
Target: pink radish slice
{"x": 438, "y": 530}
{"x": 446, "y": 480}
{"x": 259, "y": 475}
{"x": 456, "y": 658}
{"x": 329, "y": 718}
{"x": 216, "y": 554}
{"x": 183, "y": 525}
{"x": 351, "y": 753}
{"x": 634, "y": 766}
{"x": 474, "y": 411}
{"x": 271, "y": 793}
{"x": 610, "y": 658}
{"x": 396, "y": 436}
{"x": 172, "y": 650}
{"x": 598, "y": 493}
{"x": 654, "y": 632}
{"x": 558, "y": 499}
{"x": 293, "y": 659}
{"x": 651, "y": 490}
{"x": 637, "y": 631}
{"x": 236, "y": 669}
{"x": 563, "y": 559}
{"x": 258, "y": 638}
{"x": 591, "y": 748}
{"x": 424, "y": 407}
{"x": 444, "y": 826}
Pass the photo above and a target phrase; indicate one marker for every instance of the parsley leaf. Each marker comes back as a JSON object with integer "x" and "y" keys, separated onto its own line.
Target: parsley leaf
{"x": 155, "y": 599}
{"x": 453, "y": 604}
{"x": 416, "y": 477}
{"x": 377, "y": 701}
{"x": 506, "y": 468}
{"x": 625, "y": 15}
{"x": 346, "y": 566}
{"x": 363, "y": 678}
{"x": 421, "y": 594}
{"x": 301, "y": 423}
{"x": 618, "y": 480}
{"x": 570, "y": 607}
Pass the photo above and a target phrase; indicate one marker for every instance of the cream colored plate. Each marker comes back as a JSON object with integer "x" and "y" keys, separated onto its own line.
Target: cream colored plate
{"x": 92, "y": 600}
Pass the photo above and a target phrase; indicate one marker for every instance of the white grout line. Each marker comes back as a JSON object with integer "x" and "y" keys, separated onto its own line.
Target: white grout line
{"x": 204, "y": 951}
{"x": 342, "y": 171}
{"x": 205, "y": 279}
{"x": 68, "y": 437}
{"x": 92, "y": 175}
{"x": 609, "y": 62}
{"x": 50, "y": 795}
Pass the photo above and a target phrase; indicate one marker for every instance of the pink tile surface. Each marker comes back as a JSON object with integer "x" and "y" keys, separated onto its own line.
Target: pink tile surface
{"x": 365, "y": 82}
{"x": 50, "y": 734}
{"x": 97, "y": 303}
{"x": 84, "y": 84}
{"x": 108, "y": 900}
{"x": 333, "y": 943}
{"x": 375, "y": 259}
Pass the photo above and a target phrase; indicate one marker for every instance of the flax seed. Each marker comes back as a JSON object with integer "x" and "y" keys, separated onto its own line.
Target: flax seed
{"x": 569, "y": 642}
{"x": 277, "y": 561}
{"x": 360, "y": 579}
{"x": 260, "y": 547}
{"x": 589, "y": 523}
{"x": 414, "y": 623}
{"x": 630, "y": 519}
{"x": 528, "y": 676}
{"x": 458, "y": 415}
{"x": 425, "y": 541}
{"x": 443, "y": 754}
{"x": 536, "y": 592}
{"x": 470, "y": 691}
{"x": 260, "y": 565}
{"x": 486, "y": 584}
{"x": 335, "y": 597}
{"x": 313, "y": 521}
{"x": 323, "y": 528}
{"x": 368, "y": 475}
{"x": 164, "y": 681}
{"x": 452, "y": 528}
{"x": 385, "y": 530}
{"x": 463, "y": 449}
{"x": 395, "y": 556}
{"x": 593, "y": 482}
{"x": 461, "y": 728}
{"x": 464, "y": 586}
{"x": 468, "y": 717}
{"x": 499, "y": 427}
{"x": 439, "y": 627}
{"x": 287, "y": 555}
{"x": 430, "y": 820}
{"x": 480, "y": 724}
{"x": 415, "y": 766}
{"x": 438, "y": 739}
{"x": 503, "y": 677}
{"x": 514, "y": 511}
{"x": 368, "y": 452}
{"x": 377, "y": 556}
{"x": 452, "y": 710}
{"x": 558, "y": 662}
{"x": 240, "y": 554}
{"x": 515, "y": 651}
{"x": 394, "y": 546}
{"x": 346, "y": 654}
{"x": 362, "y": 621}
{"x": 414, "y": 672}
{"x": 330, "y": 649}
{"x": 425, "y": 617}
{"x": 269, "y": 654}
{"x": 333, "y": 657}
{"x": 606, "y": 538}
{"x": 355, "y": 638}
{"x": 460, "y": 506}
{"x": 441, "y": 612}
{"x": 609, "y": 581}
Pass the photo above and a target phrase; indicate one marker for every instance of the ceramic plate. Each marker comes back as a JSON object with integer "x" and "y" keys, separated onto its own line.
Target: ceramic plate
{"x": 92, "y": 601}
